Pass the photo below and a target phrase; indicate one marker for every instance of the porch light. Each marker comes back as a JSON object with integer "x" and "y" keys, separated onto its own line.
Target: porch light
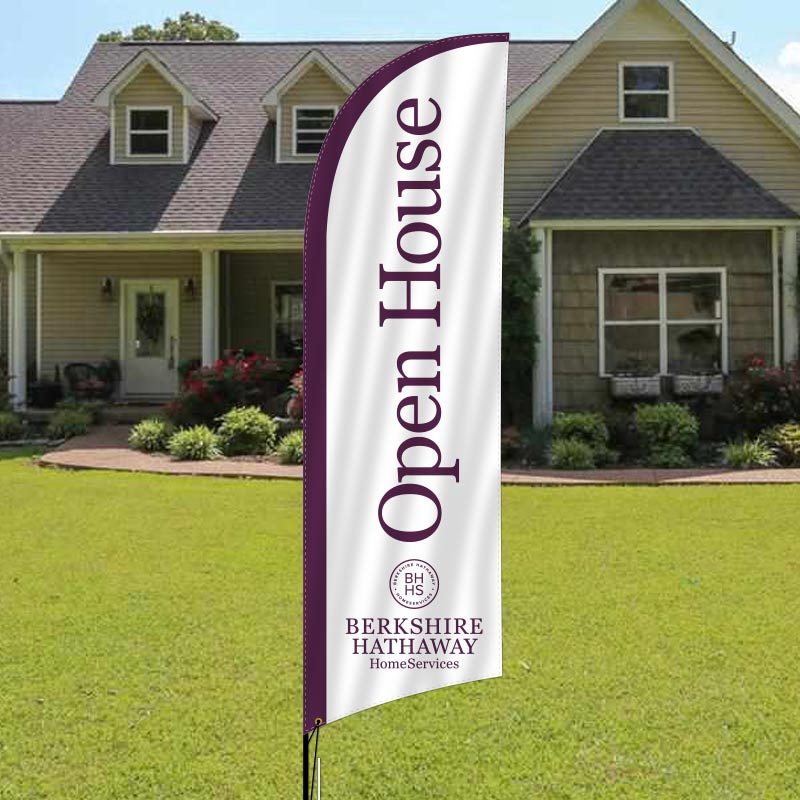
{"x": 190, "y": 288}
{"x": 107, "y": 288}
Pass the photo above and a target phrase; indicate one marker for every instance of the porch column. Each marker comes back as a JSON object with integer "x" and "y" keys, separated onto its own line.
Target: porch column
{"x": 543, "y": 309}
{"x": 789, "y": 310}
{"x": 210, "y": 306}
{"x": 18, "y": 345}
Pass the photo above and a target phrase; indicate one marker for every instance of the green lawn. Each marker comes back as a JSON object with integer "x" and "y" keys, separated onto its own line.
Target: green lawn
{"x": 150, "y": 648}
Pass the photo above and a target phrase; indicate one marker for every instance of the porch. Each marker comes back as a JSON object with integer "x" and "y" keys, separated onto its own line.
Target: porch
{"x": 153, "y": 307}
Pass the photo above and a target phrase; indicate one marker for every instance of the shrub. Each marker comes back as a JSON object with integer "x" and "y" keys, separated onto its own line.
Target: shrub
{"x": 765, "y": 396}
{"x": 587, "y": 426}
{"x": 150, "y": 435}
{"x": 571, "y": 454}
{"x": 294, "y": 405}
{"x": 93, "y": 408}
{"x": 68, "y": 422}
{"x": 785, "y": 441}
{"x": 11, "y": 426}
{"x": 290, "y": 448}
{"x": 236, "y": 380}
{"x": 749, "y": 454}
{"x": 668, "y": 456}
{"x": 199, "y": 443}
{"x": 666, "y": 425}
{"x": 246, "y": 432}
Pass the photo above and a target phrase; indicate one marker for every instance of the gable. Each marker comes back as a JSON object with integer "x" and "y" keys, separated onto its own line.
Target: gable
{"x": 149, "y": 89}
{"x": 314, "y": 88}
{"x": 647, "y": 21}
{"x": 542, "y": 146}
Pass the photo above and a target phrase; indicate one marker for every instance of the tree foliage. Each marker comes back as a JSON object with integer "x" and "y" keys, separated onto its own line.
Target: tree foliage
{"x": 188, "y": 27}
{"x": 520, "y": 285}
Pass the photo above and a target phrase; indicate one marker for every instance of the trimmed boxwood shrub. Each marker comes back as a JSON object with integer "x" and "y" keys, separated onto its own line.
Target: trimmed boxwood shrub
{"x": 571, "y": 454}
{"x": 150, "y": 435}
{"x": 668, "y": 433}
{"x": 589, "y": 427}
{"x": 585, "y": 426}
{"x": 749, "y": 454}
{"x": 290, "y": 448}
{"x": 70, "y": 421}
{"x": 11, "y": 426}
{"x": 199, "y": 443}
{"x": 246, "y": 432}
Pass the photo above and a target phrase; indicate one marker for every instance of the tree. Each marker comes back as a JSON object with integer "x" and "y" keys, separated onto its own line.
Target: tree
{"x": 520, "y": 285}
{"x": 188, "y": 27}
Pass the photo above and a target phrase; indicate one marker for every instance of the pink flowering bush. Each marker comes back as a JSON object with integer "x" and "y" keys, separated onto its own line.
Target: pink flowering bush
{"x": 235, "y": 380}
{"x": 294, "y": 406}
{"x": 764, "y": 396}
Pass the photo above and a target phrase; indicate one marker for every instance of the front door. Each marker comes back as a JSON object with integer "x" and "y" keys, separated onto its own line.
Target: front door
{"x": 149, "y": 338}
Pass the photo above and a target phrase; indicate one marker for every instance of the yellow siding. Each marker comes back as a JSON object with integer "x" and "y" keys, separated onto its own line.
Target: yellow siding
{"x": 248, "y": 280}
{"x": 647, "y": 21}
{"x": 78, "y": 324}
{"x": 314, "y": 88}
{"x": 148, "y": 88}
{"x": 546, "y": 141}
{"x": 31, "y": 304}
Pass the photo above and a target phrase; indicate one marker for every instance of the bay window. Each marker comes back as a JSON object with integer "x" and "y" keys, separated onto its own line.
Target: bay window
{"x": 668, "y": 321}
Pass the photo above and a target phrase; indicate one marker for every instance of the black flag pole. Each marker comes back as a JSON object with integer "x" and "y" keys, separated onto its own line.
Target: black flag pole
{"x": 309, "y": 777}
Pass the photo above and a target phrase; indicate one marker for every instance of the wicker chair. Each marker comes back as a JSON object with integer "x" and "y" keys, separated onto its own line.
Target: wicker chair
{"x": 84, "y": 382}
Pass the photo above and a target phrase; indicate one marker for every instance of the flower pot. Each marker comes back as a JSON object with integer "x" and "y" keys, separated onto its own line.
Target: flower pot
{"x": 635, "y": 386}
{"x": 694, "y": 385}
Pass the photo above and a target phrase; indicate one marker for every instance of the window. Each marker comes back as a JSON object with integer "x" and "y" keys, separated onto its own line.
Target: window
{"x": 149, "y": 131}
{"x": 287, "y": 320}
{"x": 646, "y": 92}
{"x": 670, "y": 321}
{"x": 310, "y": 127}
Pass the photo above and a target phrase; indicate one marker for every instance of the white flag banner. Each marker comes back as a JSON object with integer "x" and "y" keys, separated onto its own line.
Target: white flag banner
{"x": 402, "y": 383}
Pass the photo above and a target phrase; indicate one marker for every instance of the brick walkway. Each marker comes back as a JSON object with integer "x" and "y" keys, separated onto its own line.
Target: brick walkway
{"x": 106, "y": 448}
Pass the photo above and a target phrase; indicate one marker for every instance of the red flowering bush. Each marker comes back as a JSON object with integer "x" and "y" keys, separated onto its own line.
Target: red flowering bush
{"x": 764, "y": 396}
{"x": 294, "y": 407}
{"x": 235, "y": 380}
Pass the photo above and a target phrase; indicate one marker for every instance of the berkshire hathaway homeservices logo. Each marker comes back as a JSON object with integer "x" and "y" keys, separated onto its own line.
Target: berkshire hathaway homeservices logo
{"x": 414, "y": 583}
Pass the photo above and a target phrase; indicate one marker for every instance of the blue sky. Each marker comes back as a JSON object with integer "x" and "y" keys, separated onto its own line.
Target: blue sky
{"x": 44, "y": 42}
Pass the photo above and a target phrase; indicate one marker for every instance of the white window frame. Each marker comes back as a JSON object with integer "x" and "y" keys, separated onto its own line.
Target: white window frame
{"x": 663, "y": 320}
{"x": 274, "y": 285}
{"x": 129, "y": 133}
{"x": 296, "y": 130}
{"x": 670, "y": 65}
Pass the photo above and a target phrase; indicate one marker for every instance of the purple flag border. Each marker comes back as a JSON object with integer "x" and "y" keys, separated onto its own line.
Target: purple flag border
{"x": 314, "y": 365}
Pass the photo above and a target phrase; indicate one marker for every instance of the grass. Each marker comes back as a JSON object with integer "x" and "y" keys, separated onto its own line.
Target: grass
{"x": 150, "y": 634}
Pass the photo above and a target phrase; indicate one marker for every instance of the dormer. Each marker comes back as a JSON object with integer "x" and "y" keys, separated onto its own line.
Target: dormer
{"x": 154, "y": 118}
{"x": 303, "y": 104}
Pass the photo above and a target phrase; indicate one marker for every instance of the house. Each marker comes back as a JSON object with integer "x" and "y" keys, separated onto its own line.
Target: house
{"x": 155, "y": 212}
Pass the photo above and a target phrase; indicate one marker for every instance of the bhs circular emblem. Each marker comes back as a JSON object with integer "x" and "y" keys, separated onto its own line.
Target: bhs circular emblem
{"x": 414, "y": 583}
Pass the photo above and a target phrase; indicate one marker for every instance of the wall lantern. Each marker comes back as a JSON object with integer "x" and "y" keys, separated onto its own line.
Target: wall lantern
{"x": 190, "y": 288}
{"x": 107, "y": 288}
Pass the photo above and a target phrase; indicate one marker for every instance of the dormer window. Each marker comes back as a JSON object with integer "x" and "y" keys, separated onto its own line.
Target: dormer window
{"x": 310, "y": 126}
{"x": 646, "y": 92}
{"x": 149, "y": 131}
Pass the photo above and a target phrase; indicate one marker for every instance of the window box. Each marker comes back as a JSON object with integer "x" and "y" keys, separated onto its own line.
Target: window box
{"x": 693, "y": 385}
{"x": 631, "y": 387}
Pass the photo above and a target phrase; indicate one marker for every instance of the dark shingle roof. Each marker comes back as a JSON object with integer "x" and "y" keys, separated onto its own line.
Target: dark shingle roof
{"x": 60, "y": 180}
{"x": 656, "y": 174}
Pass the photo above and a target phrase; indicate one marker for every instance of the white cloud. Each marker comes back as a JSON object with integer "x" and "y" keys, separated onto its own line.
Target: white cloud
{"x": 786, "y": 82}
{"x": 790, "y": 55}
